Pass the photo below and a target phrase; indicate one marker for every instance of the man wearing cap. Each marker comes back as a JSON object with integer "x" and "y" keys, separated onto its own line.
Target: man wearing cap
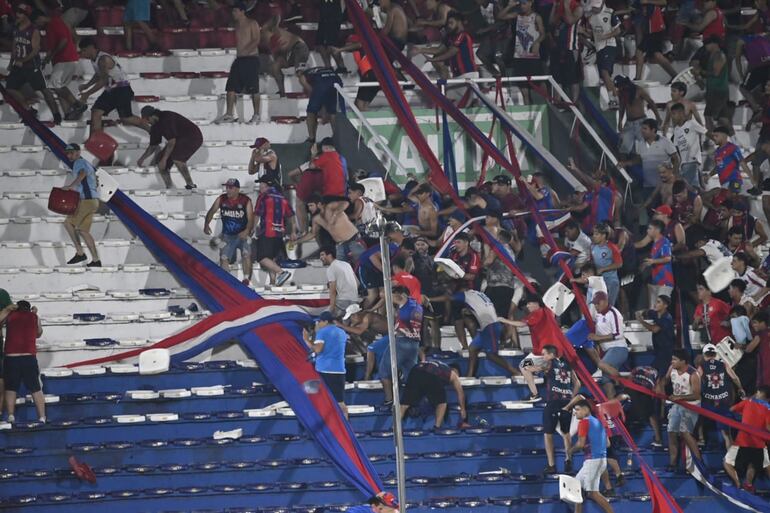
{"x": 608, "y": 333}
{"x": 343, "y": 286}
{"x": 272, "y": 212}
{"x": 237, "y": 224}
{"x": 62, "y": 52}
{"x": 383, "y": 502}
{"x": 264, "y": 159}
{"x": 328, "y": 346}
{"x": 183, "y": 138}
{"x": 25, "y": 65}
{"x": 318, "y": 84}
{"x": 244, "y": 72}
{"x": 82, "y": 178}
{"x": 715, "y": 391}
{"x": 365, "y": 327}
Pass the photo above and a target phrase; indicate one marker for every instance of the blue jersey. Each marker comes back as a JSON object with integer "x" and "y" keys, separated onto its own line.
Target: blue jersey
{"x": 364, "y": 261}
{"x": 714, "y": 381}
{"x": 360, "y": 509}
{"x": 234, "y": 213}
{"x": 331, "y": 359}
{"x": 605, "y": 255}
{"x": 320, "y": 74}
{"x": 87, "y": 187}
{"x": 727, "y": 160}
{"x": 409, "y": 320}
{"x": 596, "y": 437}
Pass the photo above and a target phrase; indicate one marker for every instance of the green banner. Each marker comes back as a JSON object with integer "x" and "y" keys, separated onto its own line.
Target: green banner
{"x": 468, "y": 155}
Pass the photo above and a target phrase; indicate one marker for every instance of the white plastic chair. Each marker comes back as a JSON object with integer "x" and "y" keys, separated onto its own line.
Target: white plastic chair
{"x": 154, "y": 361}
{"x": 719, "y": 274}
{"x": 727, "y": 351}
{"x": 558, "y": 297}
{"x": 569, "y": 490}
{"x": 374, "y": 189}
{"x": 450, "y": 267}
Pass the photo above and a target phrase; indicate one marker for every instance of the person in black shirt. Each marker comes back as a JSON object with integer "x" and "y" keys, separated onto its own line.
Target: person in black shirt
{"x": 429, "y": 379}
{"x": 661, "y": 324}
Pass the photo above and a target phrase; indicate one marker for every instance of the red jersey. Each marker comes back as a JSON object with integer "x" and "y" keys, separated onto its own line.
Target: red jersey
{"x": 716, "y": 313}
{"x": 470, "y": 263}
{"x": 412, "y": 283}
{"x": 273, "y": 210}
{"x": 21, "y": 333}
{"x": 755, "y": 414}
{"x": 56, "y": 31}
{"x": 716, "y": 27}
{"x": 335, "y": 173}
{"x": 464, "y": 60}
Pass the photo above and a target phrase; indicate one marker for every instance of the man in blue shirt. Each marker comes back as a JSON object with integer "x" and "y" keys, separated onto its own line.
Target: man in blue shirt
{"x": 329, "y": 348}
{"x": 408, "y": 334}
{"x": 661, "y": 324}
{"x": 592, "y": 438}
{"x": 82, "y": 178}
{"x": 383, "y": 502}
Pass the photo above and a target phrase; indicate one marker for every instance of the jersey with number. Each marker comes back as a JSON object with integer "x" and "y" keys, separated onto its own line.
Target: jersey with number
{"x": 681, "y": 382}
{"x": 22, "y": 46}
{"x": 481, "y": 306}
{"x": 409, "y": 320}
{"x": 714, "y": 381}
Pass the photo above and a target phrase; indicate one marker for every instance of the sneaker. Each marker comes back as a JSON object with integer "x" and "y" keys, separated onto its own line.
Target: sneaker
{"x": 190, "y": 186}
{"x": 549, "y": 469}
{"x": 94, "y": 263}
{"x": 567, "y": 466}
{"x": 746, "y": 486}
{"x": 534, "y": 398}
{"x": 620, "y": 480}
{"x": 11, "y": 419}
{"x": 226, "y": 118}
{"x": 246, "y": 282}
{"x": 754, "y": 191}
{"x": 282, "y": 278}
{"x": 42, "y": 420}
{"x": 613, "y": 104}
{"x": 255, "y": 119}
{"x": 77, "y": 259}
{"x": 57, "y": 119}
{"x": 609, "y": 492}
{"x": 657, "y": 445}
{"x": 76, "y": 112}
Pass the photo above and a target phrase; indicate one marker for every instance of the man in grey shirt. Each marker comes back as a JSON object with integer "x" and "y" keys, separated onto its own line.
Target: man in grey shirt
{"x": 343, "y": 286}
{"x": 652, "y": 151}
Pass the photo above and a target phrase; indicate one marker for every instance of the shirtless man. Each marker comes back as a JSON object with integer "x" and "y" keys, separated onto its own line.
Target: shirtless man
{"x": 678, "y": 93}
{"x": 664, "y": 192}
{"x": 436, "y": 16}
{"x": 244, "y": 72}
{"x": 288, "y": 50}
{"x": 365, "y": 327}
{"x": 332, "y": 218}
{"x": 427, "y": 215}
{"x": 633, "y": 100}
{"x": 396, "y": 24}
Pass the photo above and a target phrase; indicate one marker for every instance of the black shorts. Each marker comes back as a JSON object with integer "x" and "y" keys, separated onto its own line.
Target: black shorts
{"x": 20, "y": 76}
{"x": 329, "y": 22}
{"x": 716, "y": 104}
{"x": 269, "y": 247}
{"x": 605, "y": 59}
{"x": 324, "y": 96}
{"x": 423, "y": 384}
{"x": 501, "y": 299}
{"x": 370, "y": 277}
{"x": 652, "y": 43}
{"x": 754, "y": 78}
{"x": 642, "y": 406}
{"x": 117, "y": 98}
{"x": 754, "y": 456}
{"x": 553, "y": 415}
{"x": 564, "y": 67}
{"x": 526, "y": 68}
{"x": 336, "y": 384}
{"x": 244, "y": 76}
{"x": 21, "y": 369}
{"x": 367, "y": 94}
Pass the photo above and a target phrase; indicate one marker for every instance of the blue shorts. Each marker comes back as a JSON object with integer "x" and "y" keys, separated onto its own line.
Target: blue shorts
{"x": 407, "y": 350}
{"x": 324, "y": 96}
{"x": 370, "y": 277}
{"x": 488, "y": 339}
{"x": 378, "y": 347}
{"x": 137, "y": 10}
{"x": 231, "y": 245}
{"x": 605, "y": 59}
{"x": 681, "y": 420}
{"x": 615, "y": 357}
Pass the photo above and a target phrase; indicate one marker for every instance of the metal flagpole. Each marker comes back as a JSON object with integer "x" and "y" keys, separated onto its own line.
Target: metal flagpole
{"x": 397, "y": 430}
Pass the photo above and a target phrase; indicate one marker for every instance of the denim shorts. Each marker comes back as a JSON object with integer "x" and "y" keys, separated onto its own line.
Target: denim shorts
{"x": 615, "y": 357}
{"x": 230, "y": 246}
{"x": 406, "y": 358}
{"x": 681, "y": 420}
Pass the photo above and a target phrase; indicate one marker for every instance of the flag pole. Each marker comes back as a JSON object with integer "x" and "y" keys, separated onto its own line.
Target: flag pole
{"x": 398, "y": 436}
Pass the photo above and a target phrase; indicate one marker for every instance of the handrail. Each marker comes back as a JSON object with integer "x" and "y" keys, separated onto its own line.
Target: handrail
{"x": 375, "y": 136}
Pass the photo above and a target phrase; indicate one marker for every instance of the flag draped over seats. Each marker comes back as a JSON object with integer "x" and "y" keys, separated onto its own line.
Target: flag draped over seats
{"x": 270, "y": 331}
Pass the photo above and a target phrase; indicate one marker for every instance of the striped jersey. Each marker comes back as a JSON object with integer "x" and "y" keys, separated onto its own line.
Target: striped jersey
{"x": 464, "y": 61}
{"x": 272, "y": 209}
{"x": 727, "y": 159}
{"x": 662, "y": 274}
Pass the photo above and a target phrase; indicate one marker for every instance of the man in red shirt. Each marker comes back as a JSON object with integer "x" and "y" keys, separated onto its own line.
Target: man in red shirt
{"x": 468, "y": 260}
{"x": 402, "y": 277}
{"x": 22, "y": 329}
{"x": 750, "y": 452}
{"x": 712, "y": 314}
{"x": 62, "y": 52}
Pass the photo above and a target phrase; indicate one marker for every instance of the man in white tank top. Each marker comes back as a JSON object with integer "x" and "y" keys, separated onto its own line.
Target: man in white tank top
{"x": 685, "y": 382}
{"x": 117, "y": 94}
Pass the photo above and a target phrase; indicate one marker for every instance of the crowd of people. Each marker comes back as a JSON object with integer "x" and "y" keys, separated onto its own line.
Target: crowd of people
{"x": 640, "y": 262}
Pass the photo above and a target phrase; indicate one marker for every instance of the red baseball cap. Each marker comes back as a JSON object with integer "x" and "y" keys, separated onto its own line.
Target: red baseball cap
{"x": 258, "y": 142}
{"x": 664, "y": 210}
{"x": 386, "y": 499}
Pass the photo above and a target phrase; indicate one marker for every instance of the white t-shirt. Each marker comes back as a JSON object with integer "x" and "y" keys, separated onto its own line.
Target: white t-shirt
{"x": 344, "y": 279}
{"x": 715, "y": 250}
{"x": 687, "y": 139}
{"x": 610, "y": 323}
{"x": 754, "y": 283}
{"x": 583, "y": 247}
{"x": 602, "y": 23}
{"x": 481, "y": 306}
{"x": 526, "y": 35}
